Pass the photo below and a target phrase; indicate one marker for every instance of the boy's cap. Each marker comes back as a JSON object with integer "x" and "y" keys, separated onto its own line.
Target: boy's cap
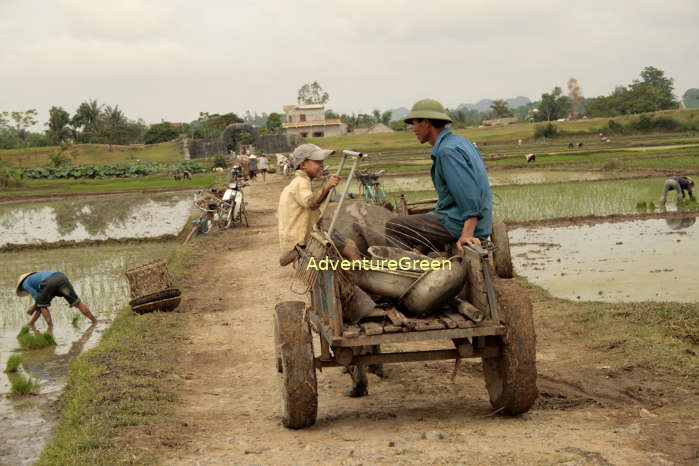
{"x": 310, "y": 152}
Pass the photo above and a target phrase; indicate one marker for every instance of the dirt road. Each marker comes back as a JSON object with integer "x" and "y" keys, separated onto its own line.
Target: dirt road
{"x": 593, "y": 407}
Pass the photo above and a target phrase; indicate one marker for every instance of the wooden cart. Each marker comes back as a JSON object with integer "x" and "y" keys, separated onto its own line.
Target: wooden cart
{"x": 504, "y": 339}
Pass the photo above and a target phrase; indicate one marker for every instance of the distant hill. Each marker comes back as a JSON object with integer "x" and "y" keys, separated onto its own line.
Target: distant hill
{"x": 398, "y": 113}
{"x": 484, "y": 104}
{"x": 691, "y": 98}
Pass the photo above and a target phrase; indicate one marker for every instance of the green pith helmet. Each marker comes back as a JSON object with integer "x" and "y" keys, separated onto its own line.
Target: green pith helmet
{"x": 428, "y": 109}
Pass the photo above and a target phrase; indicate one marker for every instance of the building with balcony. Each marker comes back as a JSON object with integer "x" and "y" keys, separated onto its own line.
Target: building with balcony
{"x": 308, "y": 121}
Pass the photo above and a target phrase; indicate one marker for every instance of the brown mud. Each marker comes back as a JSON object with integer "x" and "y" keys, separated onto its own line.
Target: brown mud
{"x": 91, "y": 242}
{"x": 21, "y": 198}
{"x": 594, "y": 406}
{"x": 595, "y": 219}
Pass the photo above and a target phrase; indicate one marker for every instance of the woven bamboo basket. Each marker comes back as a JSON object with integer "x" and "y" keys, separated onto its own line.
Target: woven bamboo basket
{"x": 148, "y": 278}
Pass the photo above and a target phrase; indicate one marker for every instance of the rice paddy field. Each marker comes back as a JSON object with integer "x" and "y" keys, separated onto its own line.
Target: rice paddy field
{"x": 97, "y": 273}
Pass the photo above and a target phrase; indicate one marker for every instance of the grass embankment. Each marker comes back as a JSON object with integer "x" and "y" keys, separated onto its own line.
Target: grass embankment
{"x": 126, "y": 381}
{"x": 160, "y": 182}
{"x": 660, "y": 336}
{"x": 94, "y": 154}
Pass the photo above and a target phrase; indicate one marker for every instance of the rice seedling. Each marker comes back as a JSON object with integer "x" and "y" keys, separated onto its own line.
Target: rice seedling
{"x": 541, "y": 201}
{"x": 13, "y": 363}
{"x": 22, "y": 385}
{"x": 30, "y": 340}
{"x": 74, "y": 320}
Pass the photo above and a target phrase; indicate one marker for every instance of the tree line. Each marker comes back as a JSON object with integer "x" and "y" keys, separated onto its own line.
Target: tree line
{"x": 92, "y": 122}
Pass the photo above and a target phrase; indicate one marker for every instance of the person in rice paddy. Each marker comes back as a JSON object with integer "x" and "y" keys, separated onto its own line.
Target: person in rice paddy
{"x": 683, "y": 185}
{"x": 43, "y": 287}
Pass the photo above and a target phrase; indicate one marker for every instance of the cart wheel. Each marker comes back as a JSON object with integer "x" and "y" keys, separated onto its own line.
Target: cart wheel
{"x": 511, "y": 377}
{"x": 503, "y": 259}
{"x": 297, "y": 377}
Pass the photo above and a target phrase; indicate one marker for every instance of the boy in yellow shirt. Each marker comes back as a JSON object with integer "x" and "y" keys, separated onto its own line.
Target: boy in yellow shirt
{"x": 299, "y": 207}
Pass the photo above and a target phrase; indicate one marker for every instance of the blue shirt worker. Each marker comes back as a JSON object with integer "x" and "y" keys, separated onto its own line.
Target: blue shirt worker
{"x": 43, "y": 287}
{"x": 464, "y": 211}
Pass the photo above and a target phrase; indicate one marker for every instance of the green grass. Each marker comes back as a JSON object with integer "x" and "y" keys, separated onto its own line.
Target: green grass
{"x": 71, "y": 187}
{"x": 23, "y": 385}
{"x": 13, "y": 363}
{"x": 30, "y": 340}
{"x": 94, "y": 154}
{"x": 125, "y": 381}
{"x": 687, "y": 161}
{"x": 661, "y": 336}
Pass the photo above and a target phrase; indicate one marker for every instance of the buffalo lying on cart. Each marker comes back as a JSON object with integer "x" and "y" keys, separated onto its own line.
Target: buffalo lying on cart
{"x": 504, "y": 339}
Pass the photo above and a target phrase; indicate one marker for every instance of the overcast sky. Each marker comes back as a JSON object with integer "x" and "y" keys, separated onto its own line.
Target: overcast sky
{"x": 171, "y": 59}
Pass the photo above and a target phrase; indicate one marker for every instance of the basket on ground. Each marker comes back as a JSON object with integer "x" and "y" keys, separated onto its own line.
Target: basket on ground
{"x": 151, "y": 288}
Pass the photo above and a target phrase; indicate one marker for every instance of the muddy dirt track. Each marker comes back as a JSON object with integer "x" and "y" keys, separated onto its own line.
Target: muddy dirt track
{"x": 593, "y": 408}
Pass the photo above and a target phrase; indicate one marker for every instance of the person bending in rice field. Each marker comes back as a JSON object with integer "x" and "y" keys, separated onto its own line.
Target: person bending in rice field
{"x": 680, "y": 184}
{"x": 43, "y": 287}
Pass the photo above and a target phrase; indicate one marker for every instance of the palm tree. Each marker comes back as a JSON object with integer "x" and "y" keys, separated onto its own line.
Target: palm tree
{"x": 87, "y": 118}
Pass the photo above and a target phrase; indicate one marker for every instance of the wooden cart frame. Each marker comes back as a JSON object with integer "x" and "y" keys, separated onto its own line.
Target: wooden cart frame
{"x": 504, "y": 339}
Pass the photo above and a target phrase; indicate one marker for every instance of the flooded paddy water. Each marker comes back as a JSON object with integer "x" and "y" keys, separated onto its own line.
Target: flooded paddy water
{"x": 96, "y": 218}
{"x": 641, "y": 260}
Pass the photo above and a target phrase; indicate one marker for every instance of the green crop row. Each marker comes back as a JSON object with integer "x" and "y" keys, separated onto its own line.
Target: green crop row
{"x": 127, "y": 170}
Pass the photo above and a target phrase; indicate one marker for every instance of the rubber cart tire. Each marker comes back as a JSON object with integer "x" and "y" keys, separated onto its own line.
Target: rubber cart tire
{"x": 297, "y": 379}
{"x": 502, "y": 256}
{"x": 510, "y": 378}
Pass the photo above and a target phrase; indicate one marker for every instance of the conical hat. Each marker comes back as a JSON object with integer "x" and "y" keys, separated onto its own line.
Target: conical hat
{"x": 20, "y": 291}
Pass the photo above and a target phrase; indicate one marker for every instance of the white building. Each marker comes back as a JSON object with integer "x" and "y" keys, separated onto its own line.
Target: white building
{"x": 308, "y": 121}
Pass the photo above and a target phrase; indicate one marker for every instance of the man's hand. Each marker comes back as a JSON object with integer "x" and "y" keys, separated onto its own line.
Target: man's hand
{"x": 31, "y": 310}
{"x": 466, "y": 240}
{"x": 333, "y": 181}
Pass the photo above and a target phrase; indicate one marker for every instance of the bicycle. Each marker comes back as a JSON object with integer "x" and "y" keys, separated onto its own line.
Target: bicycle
{"x": 208, "y": 207}
{"x": 370, "y": 188}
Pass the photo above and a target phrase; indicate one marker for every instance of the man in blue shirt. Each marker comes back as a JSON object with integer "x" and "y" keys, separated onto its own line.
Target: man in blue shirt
{"x": 43, "y": 287}
{"x": 464, "y": 211}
